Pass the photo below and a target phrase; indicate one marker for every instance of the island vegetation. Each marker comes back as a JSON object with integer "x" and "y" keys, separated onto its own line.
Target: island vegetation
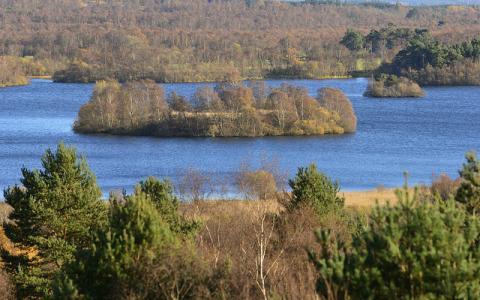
{"x": 391, "y": 86}
{"x": 228, "y": 110}
{"x": 60, "y": 240}
{"x": 203, "y": 40}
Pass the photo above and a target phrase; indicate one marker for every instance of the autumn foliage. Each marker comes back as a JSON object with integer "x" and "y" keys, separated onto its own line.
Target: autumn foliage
{"x": 141, "y": 108}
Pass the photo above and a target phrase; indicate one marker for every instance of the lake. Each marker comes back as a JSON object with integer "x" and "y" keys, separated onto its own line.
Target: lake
{"x": 421, "y": 136}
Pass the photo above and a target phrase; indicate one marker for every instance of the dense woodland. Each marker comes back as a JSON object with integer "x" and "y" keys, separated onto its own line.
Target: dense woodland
{"x": 141, "y": 108}
{"x": 212, "y": 40}
{"x": 11, "y": 73}
{"x": 422, "y": 59}
{"x": 60, "y": 240}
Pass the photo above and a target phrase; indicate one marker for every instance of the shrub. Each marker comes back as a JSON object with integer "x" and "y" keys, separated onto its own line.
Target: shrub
{"x": 258, "y": 184}
{"x": 414, "y": 250}
{"x": 444, "y": 187}
{"x": 135, "y": 232}
{"x": 195, "y": 186}
{"x": 314, "y": 189}
{"x": 139, "y": 256}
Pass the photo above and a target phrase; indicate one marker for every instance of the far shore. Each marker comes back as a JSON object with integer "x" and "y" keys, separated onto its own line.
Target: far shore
{"x": 40, "y": 77}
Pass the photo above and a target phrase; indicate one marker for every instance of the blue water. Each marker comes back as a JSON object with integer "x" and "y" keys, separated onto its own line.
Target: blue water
{"x": 423, "y": 137}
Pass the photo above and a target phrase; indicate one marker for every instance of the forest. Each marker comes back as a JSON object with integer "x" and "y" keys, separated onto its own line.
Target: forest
{"x": 61, "y": 240}
{"x": 214, "y": 40}
{"x": 11, "y": 73}
{"x": 228, "y": 110}
{"x": 422, "y": 59}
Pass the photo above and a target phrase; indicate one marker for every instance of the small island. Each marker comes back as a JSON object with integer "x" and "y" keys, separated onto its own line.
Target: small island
{"x": 413, "y": 58}
{"x": 228, "y": 110}
{"x": 11, "y": 73}
{"x": 391, "y": 86}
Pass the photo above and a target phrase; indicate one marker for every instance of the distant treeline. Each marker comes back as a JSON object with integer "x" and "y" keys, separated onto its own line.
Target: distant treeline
{"x": 422, "y": 58}
{"x": 203, "y": 40}
{"x": 141, "y": 108}
{"x": 11, "y": 73}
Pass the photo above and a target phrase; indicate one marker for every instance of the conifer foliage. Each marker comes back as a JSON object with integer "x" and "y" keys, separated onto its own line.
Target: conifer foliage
{"x": 160, "y": 193}
{"x": 134, "y": 234}
{"x": 469, "y": 191}
{"x": 56, "y": 209}
{"x": 413, "y": 250}
{"x": 316, "y": 190}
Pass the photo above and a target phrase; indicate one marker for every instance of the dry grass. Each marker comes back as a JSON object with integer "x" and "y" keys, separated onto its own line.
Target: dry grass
{"x": 367, "y": 199}
{"x": 205, "y": 209}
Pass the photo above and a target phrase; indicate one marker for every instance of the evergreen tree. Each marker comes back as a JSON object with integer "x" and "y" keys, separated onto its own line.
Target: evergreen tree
{"x": 55, "y": 211}
{"x": 316, "y": 190}
{"x": 353, "y": 40}
{"x": 414, "y": 250}
{"x": 161, "y": 195}
{"x": 469, "y": 191}
{"x": 136, "y": 232}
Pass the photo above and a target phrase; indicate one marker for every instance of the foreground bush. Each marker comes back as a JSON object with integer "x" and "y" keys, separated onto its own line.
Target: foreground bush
{"x": 256, "y": 185}
{"x": 55, "y": 211}
{"x": 444, "y": 187}
{"x": 313, "y": 189}
{"x": 160, "y": 193}
{"x": 389, "y": 86}
{"x": 138, "y": 255}
{"x": 409, "y": 251}
{"x": 468, "y": 192}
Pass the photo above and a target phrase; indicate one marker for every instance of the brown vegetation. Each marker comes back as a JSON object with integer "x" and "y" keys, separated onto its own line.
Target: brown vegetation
{"x": 140, "y": 108}
{"x": 458, "y": 74}
{"x": 11, "y": 73}
{"x": 7, "y": 289}
{"x": 336, "y": 101}
{"x": 444, "y": 187}
{"x": 201, "y": 40}
{"x": 393, "y": 88}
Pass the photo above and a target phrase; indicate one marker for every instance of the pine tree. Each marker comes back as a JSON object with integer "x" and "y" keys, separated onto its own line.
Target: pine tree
{"x": 55, "y": 211}
{"x": 469, "y": 191}
{"x": 135, "y": 234}
{"x": 161, "y": 194}
{"x": 316, "y": 190}
{"x": 414, "y": 250}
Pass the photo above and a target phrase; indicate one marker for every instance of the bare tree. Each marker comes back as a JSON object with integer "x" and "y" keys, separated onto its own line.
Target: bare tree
{"x": 266, "y": 261}
{"x": 195, "y": 186}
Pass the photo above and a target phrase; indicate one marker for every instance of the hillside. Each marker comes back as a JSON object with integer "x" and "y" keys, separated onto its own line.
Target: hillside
{"x": 200, "y": 40}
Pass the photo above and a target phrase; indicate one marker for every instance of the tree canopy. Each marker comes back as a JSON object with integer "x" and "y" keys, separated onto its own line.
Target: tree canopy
{"x": 55, "y": 211}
